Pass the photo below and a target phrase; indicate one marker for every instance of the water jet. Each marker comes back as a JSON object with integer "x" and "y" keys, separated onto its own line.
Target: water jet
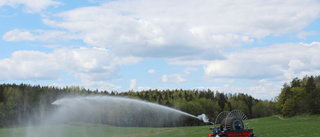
{"x": 118, "y": 111}
{"x": 111, "y": 111}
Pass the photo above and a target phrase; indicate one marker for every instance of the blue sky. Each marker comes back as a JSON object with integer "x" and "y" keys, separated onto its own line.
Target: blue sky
{"x": 248, "y": 46}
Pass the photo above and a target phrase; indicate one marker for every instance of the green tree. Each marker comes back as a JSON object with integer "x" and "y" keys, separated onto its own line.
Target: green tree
{"x": 10, "y": 107}
{"x": 283, "y": 96}
{"x": 2, "y": 114}
{"x": 259, "y": 110}
{"x": 311, "y": 99}
{"x": 195, "y": 108}
{"x": 239, "y": 105}
{"x": 296, "y": 82}
{"x": 314, "y": 101}
{"x": 289, "y": 108}
{"x": 222, "y": 100}
{"x": 226, "y": 107}
{"x": 298, "y": 93}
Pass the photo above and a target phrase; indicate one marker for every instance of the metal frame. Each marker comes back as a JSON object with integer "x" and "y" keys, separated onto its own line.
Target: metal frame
{"x": 238, "y": 132}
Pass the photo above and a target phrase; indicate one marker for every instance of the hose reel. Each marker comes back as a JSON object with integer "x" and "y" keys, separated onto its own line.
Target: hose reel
{"x": 231, "y": 121}
{"x": 231, "y": 124}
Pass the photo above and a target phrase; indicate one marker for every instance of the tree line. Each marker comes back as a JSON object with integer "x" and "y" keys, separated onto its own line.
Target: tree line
{"x": 301, "y": 96}
{"x": 20, "y": 104}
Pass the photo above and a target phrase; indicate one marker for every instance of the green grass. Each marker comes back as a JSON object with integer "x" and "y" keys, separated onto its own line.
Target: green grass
{"x": 300, "y": 126}
{"x": 262, "y": 127}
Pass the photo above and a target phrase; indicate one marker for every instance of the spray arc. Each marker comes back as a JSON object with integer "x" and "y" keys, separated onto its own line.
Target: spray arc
{"x": 108, "y": 111}
{"x": 118, "y": 111}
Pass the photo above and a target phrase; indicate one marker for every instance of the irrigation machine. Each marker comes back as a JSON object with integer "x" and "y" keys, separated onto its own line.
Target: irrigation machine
{"x": 231, "y": 124}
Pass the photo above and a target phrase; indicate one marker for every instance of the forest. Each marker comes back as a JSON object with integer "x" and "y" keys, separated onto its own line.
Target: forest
{"x": 20, "y": 104}
{"x": 302, "y": 96}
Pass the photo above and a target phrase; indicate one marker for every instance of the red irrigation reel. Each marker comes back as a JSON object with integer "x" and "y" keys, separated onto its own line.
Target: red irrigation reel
{"x": 231, "y": 124}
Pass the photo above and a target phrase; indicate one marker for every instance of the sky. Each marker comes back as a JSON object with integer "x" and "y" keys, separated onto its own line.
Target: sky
{"x": 230, "y": 46}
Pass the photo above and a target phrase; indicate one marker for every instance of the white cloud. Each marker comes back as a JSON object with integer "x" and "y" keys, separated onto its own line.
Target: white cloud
{"x": 188, "y": 69}
{"x": 182, "y": 32}
{"x": 30, "y": 5}
{"x": 174, "y": 78}
{"x": 133, "y": 84}
{"x": 2, "y": 2}
{"x": 194, "y": 62}
{"x": 276, "y": 61}
{"x": 305, "y": 34}
{"x": 261, "y": 89}
{"x": 18, "y": 35}
{"x": 38, "y": 35}
{"x": 151, "y": 71}
{"x": 178, "y": 77}
{"x": 164, "y": 78}
{"x": 184, "y": 29}
{"x": 295, "y": 64}
{"x": 93, "y": 64}
{"x": 100, "y": 85}
{"x": 93, "y": 85}
{"x": 311, "y": 44}
{"x": 29, "y": 65}
{"x": 143, "y": 88}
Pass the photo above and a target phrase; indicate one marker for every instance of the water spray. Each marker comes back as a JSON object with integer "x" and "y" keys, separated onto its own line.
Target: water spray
{"x": 106, "y": 108}
{"x": 110, "y": 111}
{"x": 204, "y": 118}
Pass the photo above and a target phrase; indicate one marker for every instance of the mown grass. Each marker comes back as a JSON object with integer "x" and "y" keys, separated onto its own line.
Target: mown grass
{"x": 273, "y": 126}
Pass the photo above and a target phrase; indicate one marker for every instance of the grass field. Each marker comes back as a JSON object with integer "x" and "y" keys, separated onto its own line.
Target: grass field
{"x": 262, "y": 127}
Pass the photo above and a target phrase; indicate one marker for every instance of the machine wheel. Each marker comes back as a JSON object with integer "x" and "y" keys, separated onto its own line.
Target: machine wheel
{"x": 231, "y": 123}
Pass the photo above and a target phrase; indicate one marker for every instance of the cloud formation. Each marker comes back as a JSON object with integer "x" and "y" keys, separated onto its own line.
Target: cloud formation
{"x": 305, "y": 34}
{"x": 276, "y": 61}
{"x": 25, "y": 65}
{"x": 17, "y": 35}
{"x": 178, "y": 77}
{"x": 185, "y": 29}
{"x": 263, "y": 89}
{"x": 173, "y": 78}
{"x": 151, "y": 71}
{"x": 207, "y": 34}
{"x": 133, "y": 84}
{"x": 30, "y": 5}
{"x": 38, "y": 35}
{"x": 85, "y": 63}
